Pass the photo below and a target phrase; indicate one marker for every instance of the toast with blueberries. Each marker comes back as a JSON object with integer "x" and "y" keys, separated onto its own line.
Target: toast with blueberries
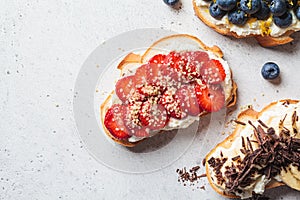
{"x": 174, "y": 82}
{"x": 270, "y": 22}
{"x": 262, "y": 152}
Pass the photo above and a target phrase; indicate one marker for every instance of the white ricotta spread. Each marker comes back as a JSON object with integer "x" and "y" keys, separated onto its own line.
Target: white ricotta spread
{"x": 252, "y": 27}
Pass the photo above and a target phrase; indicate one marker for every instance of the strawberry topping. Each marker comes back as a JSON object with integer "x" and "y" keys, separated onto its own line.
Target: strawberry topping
{"x": 157, "y": 59}
{"x": 132, "y": 122}
{"x": 141, "y": 75}
{"x": 210, "y": 98}
{"x": 167, "y": 86}
{"x": 114, "y": 123}
{"x": 175, "y": 60}
{"x": 188, "y": 100}
{"x": 171, "y": 103}
{"x": 124, "y": 87}
{"x": 195, "y": 60}
{"x": 153, "y": 115}
{"x": 212, "y": 72}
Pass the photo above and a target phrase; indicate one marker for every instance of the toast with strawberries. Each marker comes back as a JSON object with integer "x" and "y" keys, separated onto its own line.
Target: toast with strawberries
{"x": 177, "y": 80}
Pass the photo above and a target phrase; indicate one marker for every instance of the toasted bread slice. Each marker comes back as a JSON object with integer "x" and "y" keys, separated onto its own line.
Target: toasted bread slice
{"x": 275, "y": 113}
{"x": 261, "y": 34}
{"x": 180, "y": 42}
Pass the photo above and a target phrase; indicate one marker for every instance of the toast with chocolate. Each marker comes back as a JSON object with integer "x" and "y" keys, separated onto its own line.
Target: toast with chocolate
{"x": 262, "y": 152}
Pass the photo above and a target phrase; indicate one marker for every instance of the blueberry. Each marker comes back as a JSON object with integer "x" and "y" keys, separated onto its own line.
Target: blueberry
{"x": 171, "y": 2}
{"x": 226, "y": 5}
{"x": 250, "y": 6}
{"x": 283, "y": 21}
{"x": 237, "y": 17}
{"x": 278, "y": 7}
{"x": 264, "y": 11}
{"x": 215, "y": 11}
{"x": 270, "y": 70}
{"x": 297, "y": 12}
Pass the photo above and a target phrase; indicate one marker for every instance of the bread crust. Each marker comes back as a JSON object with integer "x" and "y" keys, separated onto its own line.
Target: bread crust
{"x": 244, "y": 116}
{"x": 134, "y": 58}
{"x": 263, "y": 40}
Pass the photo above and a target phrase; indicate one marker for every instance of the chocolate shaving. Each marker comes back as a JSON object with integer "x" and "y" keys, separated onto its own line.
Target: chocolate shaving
{"x": 191, "y": 175}
{"x": 294, "y": 118}
{"x": 274, "y": 153}
{"x": 249, "y": 145}
{"x": 263, "y": 124}
{"x": 239, "y": 122}
{"x": 271, "y": 131}
{"x": 236, "y": 158}
{"x": 243, "y": 143}
{"x": 282, "y": 121}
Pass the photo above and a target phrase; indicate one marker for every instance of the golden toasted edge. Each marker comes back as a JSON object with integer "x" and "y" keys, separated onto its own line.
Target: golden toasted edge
{"x": 216, "y": 50}
{"x": 135, "y": 58}
{"x": 244, "y": 116}
{"x": 265, "y": 41}
{"x": 130, "y": 58}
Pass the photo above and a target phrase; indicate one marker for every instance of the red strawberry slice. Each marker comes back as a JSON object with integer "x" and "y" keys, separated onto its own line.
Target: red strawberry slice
{"x": 153, "y": 115}
{"x": 150, "y": 90}
{"x": 114, "y": 123}
{"x": 124, "y": 87}
{"x": 212, "y": 72}
{"x": 154, "y": 76}
{"x": 170, "y": 76}
{"x": 210, "y": 98}
{"x": 196, "y": 56}
{"x": 175, "y": 60}
{"x": 148, "y": 73}
{"x": 132, "y": 122}
{"x": 141, "y": 75}
{"x": 189, "y": 102}
{"x": 141, "y": 132}
{"x": 195, "y": 60}
{"x": 157, "y": 59}
{"x": 172, "y": 104}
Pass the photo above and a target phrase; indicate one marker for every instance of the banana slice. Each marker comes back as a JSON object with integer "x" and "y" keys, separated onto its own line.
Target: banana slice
{"x": 290, "y": 179}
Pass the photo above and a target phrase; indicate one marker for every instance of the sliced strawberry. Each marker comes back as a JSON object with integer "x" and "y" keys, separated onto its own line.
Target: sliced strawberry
{"x": 188, "y": 100}
{"x": 132, "y": 122}
{"x": 175, "y": 60}
{"x": 170, "y": 76}
{"x": 195, "y": 60}
{"x": 124, "y": 87}
{"x": 154, "y": 76}
{"x": 114, "y": 123}
{"x": 150, "y": 90}
{"x": 172, "y": 104}
{"x": 212, "y": 72}
{"x": 141, "y": 74}
{"x": 148, "y": 73}
{"x": 141, "y": 132}
{"x": 157, "y": 59}
{"x": 153, "y": 115}
{"x": 210, "y": 98}
{"x": 196, "y": 56}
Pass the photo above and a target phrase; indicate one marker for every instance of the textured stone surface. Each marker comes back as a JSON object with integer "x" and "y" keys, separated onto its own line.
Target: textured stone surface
{"x": 42, "y": 47}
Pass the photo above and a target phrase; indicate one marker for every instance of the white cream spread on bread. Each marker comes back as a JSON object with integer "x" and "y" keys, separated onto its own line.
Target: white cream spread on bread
{"x": 252, "y": 27}
{"x": 174, "y": 123}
